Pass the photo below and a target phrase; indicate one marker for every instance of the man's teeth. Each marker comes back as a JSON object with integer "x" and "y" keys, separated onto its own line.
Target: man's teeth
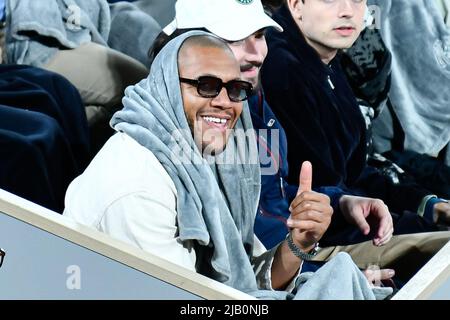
{"x": 215, "y": 120}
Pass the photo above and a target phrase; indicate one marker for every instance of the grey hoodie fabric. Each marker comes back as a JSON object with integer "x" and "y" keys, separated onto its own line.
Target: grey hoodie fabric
{"x": 419, "y": 40}
{"x": 154, "y": 116}
{"x": 35, "y": 31}
{"x": 216, "y": 203}
{"x": 343, "y": 282}
{"x": 132, "y": 30}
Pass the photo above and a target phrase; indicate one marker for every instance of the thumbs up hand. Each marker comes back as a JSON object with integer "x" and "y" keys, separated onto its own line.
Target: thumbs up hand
{"x": 305, "y": 180}
{"x": 310, "y": 212}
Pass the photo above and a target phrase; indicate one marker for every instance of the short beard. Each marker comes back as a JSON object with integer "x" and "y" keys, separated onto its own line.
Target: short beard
{"x": 257, "y": 86}
{"x": 256, "y": 83}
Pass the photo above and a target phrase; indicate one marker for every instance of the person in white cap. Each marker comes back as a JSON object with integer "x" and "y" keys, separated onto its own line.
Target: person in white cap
{"x": 248, "y": 16}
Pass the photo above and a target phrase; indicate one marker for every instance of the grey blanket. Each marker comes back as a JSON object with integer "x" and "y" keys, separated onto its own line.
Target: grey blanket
{"x": 36, "y": 30}
{"x": 419, "y": 40}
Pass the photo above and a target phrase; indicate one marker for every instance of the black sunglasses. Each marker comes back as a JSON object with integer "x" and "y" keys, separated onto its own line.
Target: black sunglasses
{"x": 210, "y": 87}
{"x": 2, "y": 256}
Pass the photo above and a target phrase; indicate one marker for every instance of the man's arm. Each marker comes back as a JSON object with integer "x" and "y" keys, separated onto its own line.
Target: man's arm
{"x": 310, "y": 217}
{"x": 369, "y": 215}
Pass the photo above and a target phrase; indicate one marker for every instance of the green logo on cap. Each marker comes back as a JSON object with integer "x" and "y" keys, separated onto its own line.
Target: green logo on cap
{"x": 244, "y": 1}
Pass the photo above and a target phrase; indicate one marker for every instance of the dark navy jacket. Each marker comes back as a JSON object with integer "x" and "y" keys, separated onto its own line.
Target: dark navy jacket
{"x": 322, "y": 120}
{"x": 44, "y": 138}
{"x": 276, "y": 193}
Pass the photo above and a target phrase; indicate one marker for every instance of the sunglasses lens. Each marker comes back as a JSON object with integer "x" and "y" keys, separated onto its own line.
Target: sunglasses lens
{"x": 238, "y": 90}
{"x": 209, "y": 86}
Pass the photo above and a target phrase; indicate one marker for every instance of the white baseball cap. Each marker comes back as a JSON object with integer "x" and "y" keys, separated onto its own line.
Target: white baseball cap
{"x": 231, "y": 20}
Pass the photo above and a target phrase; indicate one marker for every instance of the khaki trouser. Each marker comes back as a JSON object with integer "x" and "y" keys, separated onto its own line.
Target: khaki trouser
{"x": 404, "y": 253}
{"x": 99, "y": 73}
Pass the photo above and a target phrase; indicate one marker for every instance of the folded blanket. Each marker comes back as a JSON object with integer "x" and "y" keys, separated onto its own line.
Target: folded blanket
{"x": 419, "y": 40}
{"x": 36, "y": 31}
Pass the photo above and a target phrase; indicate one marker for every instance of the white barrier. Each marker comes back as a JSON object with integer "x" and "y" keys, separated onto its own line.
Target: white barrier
{"x": 432, "y": 281}
{"x": 48, "y": 256}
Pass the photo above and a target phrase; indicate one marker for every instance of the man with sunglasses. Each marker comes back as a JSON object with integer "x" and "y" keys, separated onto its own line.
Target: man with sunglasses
{"x": 154, "y": 186}
{"x": 247, "y": 41}
{"x": 150, "y": 199}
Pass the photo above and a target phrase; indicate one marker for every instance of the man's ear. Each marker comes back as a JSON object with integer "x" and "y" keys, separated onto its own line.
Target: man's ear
{"x": 295, "y": 7}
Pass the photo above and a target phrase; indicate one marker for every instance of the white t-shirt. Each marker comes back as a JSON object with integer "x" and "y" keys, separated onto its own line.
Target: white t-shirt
{"x": 123, "y": 188}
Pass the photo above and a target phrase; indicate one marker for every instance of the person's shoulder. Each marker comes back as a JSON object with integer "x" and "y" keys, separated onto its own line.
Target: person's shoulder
{"x": 280, "y": 50}
{"x": 282, "y": 65}
{"x": 122, "y": 168}
{"x": 121, "y": 160}
{"x": 127, "y": 151}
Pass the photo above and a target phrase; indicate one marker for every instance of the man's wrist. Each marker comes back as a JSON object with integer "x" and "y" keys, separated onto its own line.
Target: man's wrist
{"x": 423, "y": 204}
{"x": 299, "y": 253}
{"x": 430, "y": 212}
{"x": 426, "y": 208}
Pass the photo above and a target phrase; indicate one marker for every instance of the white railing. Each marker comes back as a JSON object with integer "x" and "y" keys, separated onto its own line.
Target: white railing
{"x": 47, "y": 224}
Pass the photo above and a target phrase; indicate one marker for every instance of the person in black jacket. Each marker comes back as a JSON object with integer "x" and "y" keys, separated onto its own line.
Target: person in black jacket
{"x": 308, "y": 92}
{"x": 44, "y": 137}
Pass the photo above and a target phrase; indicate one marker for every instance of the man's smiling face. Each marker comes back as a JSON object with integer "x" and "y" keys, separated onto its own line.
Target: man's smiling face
{"x": 210, "y": 119}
